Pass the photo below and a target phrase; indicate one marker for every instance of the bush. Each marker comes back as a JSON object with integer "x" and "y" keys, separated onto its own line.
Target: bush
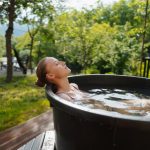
{"x": 91, "y": 70}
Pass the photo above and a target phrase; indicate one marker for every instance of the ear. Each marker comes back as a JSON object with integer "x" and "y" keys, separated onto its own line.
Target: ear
{"x": 50, "y": 77}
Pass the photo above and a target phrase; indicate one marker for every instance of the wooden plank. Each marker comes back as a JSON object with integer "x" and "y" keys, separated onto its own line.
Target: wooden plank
{"x": 38, "y": 142}
{"x": 29, "y": 145}
{"x": 21, "y": 148}
{"x": 25, "y": 137}
{"x": 49, "y": 141}
{"x": 25, "y": 126}
{"x": 19, "y": 135}
{"x": 44, "y": 141}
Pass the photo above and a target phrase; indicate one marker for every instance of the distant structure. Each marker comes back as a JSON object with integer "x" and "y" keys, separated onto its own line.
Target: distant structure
{"x": 147, "y": 63}
{"x": 148, "y": 50}
{"x": 3, "y": 63}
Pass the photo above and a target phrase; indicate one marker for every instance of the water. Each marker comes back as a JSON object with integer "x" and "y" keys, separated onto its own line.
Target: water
{"x": 117, "y": 101}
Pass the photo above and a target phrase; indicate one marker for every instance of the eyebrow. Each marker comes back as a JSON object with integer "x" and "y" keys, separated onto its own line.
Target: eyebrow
{"x": 56, "y": 61}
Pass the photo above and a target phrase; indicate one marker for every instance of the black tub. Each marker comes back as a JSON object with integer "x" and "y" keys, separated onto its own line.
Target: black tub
{"x": 79, "y": 128}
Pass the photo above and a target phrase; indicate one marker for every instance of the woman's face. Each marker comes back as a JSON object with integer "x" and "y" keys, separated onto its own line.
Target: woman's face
{"x": 57, "y": 68}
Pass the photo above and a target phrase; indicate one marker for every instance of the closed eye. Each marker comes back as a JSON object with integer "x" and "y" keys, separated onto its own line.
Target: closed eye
{"x": 56, "y": 63}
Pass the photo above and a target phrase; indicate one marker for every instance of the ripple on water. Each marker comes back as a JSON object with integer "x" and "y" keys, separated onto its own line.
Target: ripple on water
{"x": 117, "y": 101}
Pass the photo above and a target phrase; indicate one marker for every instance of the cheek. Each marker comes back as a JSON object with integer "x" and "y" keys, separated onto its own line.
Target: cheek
{"x": 58, "y": 71}
{"x": 62, "y": 72}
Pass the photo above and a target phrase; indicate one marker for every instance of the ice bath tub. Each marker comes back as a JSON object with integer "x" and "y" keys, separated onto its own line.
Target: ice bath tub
{"x": 80, "y": 128}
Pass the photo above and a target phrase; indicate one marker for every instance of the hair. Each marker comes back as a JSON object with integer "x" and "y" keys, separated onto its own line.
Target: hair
{"x": 41, "y": 73}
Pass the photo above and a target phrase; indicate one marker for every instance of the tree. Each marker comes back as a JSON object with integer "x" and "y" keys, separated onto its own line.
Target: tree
{"x": 35, "y": 19}
{"x": 20, "y": 62}
{"x": 144, "y": 33}
{"x": 72, "y": 39}
{"x": 9, "y": 12}
{"x": 8, "y": 9}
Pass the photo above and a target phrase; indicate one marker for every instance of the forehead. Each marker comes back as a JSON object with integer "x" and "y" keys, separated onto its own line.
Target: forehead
{"x": 51, "y": 60}
{"x": 51, "y": 63}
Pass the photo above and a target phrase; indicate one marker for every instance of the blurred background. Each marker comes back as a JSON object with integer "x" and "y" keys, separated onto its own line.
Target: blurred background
{"x": 92, "y": 37}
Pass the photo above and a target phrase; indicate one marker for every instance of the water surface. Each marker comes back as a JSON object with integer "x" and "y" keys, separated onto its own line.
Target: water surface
{"x": 128, "y": 102}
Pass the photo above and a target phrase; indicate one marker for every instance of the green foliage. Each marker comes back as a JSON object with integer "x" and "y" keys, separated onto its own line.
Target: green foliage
{"x": 20, "y": 101}
{"x": 92, "y": 70}
{"x": 22, "y": 42}
{"x": 108, "y": 37}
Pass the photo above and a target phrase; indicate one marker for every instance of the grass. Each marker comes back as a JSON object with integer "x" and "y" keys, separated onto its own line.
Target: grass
{"x": 20, "y": 100}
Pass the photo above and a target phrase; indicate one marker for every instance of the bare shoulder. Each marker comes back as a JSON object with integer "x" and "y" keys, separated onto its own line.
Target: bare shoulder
{"x": 64, "y": 96}
{"x": 74, "y": 85}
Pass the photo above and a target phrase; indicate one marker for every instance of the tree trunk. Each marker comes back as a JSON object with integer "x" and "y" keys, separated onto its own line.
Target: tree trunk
{"x": 39, "y": 53}
{"x": 8, "y": 36}
{"x": 31, "y": 48}
{"x": 143, "y": 39}
{"x": 32, "y": 35}
{"x": 84, "y": 49}
{"x": 23, "y": 68}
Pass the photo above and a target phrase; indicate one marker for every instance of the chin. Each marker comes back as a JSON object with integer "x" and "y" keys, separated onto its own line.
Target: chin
{"x": 69, "y": 72}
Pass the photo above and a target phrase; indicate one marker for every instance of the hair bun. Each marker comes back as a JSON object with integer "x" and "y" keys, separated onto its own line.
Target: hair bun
{"x": 40, "y": 83}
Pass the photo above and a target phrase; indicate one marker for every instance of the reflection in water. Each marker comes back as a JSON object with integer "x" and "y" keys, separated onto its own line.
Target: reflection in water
{"x": 117, "y": 101}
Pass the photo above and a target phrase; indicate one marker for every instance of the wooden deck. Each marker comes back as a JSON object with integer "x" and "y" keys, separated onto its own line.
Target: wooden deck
{"x": 44, "y": 141}
{"x": 13, "y": 138}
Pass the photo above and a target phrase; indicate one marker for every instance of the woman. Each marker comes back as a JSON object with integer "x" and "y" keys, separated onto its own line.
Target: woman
{"x": 52, "y": 71}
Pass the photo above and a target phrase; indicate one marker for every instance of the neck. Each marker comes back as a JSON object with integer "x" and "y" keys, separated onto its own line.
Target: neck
{"x": 63, "y": 85}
